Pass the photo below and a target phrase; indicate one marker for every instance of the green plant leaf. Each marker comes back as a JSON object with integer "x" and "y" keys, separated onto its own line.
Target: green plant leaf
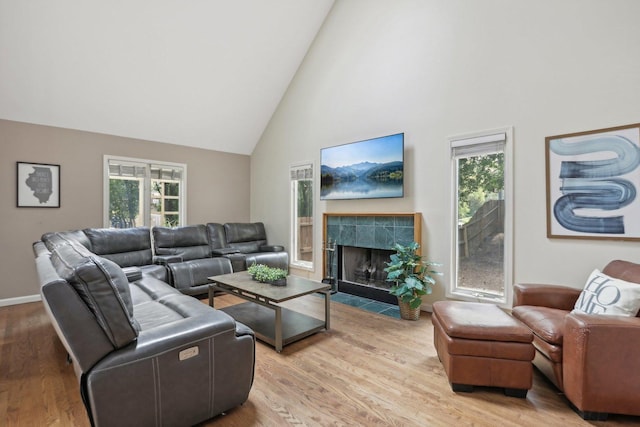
{"x": 412, "y": 277}
{"x": 264, "y": 273}
{"x": 415, "y": 303}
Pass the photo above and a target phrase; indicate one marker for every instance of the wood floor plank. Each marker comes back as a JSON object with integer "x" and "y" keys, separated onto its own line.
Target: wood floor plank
{"x": 368, "y": 370}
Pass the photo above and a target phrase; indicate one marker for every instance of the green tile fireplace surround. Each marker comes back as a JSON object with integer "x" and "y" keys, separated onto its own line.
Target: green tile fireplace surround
{"x": 369, "y": 230}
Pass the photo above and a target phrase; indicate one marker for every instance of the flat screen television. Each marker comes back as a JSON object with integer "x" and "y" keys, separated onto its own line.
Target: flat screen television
{"x": 369, "y": 169}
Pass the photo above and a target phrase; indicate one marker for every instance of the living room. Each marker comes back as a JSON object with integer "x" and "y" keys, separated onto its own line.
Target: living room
{"x": 432, "y": 70}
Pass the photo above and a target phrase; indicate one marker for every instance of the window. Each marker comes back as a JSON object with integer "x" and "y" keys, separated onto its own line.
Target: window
{"x": 482, "y": 217}
{"x": 143, "y": 193}
{"x": 302, "y": 215}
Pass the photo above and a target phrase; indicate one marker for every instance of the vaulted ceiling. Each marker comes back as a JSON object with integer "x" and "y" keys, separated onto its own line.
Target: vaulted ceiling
{"x": 201, "y": 73}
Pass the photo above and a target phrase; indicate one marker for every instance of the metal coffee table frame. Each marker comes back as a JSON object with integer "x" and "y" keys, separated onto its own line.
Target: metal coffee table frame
{"x": 272, "y": 323}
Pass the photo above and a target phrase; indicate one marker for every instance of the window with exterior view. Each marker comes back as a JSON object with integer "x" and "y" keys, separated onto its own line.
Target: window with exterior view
{"x": 165, "y": 196}
{"x": 302, "y": 215}
{"x": 481, "y": 218}
{"x": 143, "y": 193}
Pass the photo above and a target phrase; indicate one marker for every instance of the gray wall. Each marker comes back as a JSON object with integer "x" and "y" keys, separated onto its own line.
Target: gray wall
{"x": 439, "y": 68}
{"x": 217, "y": 189}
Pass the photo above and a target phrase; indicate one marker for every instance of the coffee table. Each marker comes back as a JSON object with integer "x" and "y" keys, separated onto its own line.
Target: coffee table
{"x": 272, "y": 323}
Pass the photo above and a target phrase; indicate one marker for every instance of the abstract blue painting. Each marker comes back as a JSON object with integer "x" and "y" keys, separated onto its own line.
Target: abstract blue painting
{"x": 593, "y": 179}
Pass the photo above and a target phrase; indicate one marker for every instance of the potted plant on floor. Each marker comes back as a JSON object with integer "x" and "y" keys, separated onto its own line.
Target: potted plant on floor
{"x": 412, "y": 278}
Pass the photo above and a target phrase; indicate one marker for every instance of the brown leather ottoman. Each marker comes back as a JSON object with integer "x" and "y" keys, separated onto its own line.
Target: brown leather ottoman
{"x": 481, "y": 345}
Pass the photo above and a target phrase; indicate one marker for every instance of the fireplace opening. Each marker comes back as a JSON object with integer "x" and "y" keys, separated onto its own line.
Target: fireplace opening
{"x": 361, "y": 272}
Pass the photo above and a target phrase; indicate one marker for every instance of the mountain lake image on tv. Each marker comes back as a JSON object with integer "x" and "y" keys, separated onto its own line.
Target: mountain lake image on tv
{"x": 369, "y": 169}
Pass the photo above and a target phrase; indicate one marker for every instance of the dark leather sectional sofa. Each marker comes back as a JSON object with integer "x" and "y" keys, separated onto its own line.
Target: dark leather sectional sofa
{"x": 144, "y": 352}
{"x": 195, "y": 252}
{"x": 185, "y": 256}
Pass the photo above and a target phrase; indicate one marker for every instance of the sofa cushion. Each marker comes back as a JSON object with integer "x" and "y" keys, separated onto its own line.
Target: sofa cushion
{"x": 272, "y": 259}
{"x": 150, "y": 289}
{"x": 624, "y": 270}
{"x": 55, "y": 239}
{"x": 551, "y": 351}
{"x": 192, "y": 277}
{"x": 479, "y": 321}
{"x": 215, "y": 233}
{"x": 125, "y": 246}
{"x": 547, "y": 323}
{"x": 155, "y": 270}
{"x": 605, "y": 295}
{"x": 103, "y": 287}
{"x": 189, "y": 242}
{"x": 153, "y": 313}
{"x": 246, "y": 237}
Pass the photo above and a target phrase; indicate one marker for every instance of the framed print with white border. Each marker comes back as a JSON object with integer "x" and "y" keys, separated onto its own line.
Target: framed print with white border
{"x": 593, "y": 179}
{"x": 38, "y": 185}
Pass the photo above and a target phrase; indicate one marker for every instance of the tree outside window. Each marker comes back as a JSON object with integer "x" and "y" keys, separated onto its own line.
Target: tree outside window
{"x": 481, "y": 267}
{"x": 302, "y": 215}
{"x": 124, "y": 202}
{"x": 143, "y": 193}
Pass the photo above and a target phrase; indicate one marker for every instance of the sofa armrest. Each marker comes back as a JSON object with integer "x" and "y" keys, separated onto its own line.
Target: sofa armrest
{"x": 600, "y": 357}
{"x": 271, "y": 248}
{"x": 132, "y": 273}
{"x": 224, "y": 251}
{"x": 183, "y": 332}
{"x": 242, "y": 330}
{"x": 202, "y": 365}
{"x": 166, "y": 259}
{"x": 552, "y": 296}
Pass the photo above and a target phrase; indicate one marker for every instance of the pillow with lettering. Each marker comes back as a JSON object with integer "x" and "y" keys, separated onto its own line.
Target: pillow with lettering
{"x": 608, "y": 296}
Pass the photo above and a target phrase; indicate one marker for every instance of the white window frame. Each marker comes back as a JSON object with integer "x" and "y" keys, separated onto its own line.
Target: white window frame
{"x": 481, "y": 138}
{"x": 294, "y": 262}
{"x": 146, "y": 202}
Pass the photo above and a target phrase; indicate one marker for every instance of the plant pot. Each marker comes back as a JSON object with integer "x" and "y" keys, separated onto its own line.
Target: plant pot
{"x": 408, "y": 313}
{"x": 279, "y": 282}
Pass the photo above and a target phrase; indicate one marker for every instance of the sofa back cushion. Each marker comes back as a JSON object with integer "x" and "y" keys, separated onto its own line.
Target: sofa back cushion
{"x": 246, "y": 237}
{"x": 189, "y": 242}
{"x": 74, "y": 323}
{"x": 215, "y": 233}
{"x": 58, "y": 238}
{"x": 625, "y": 270}
{"x": 126, "y": 247}
{"x": 103, "y": 287}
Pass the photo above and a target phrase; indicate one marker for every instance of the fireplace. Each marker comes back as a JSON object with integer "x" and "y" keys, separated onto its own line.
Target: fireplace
{"x": 361, "y": 272}
{"x": 357, "y": 246}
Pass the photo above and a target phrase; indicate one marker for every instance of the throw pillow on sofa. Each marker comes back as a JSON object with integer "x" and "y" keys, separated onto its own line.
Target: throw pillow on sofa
{"x": 605, "y": 295}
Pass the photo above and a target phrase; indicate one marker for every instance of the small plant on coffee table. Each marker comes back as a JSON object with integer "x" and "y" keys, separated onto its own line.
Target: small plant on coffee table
{"x": 265, "y": 274}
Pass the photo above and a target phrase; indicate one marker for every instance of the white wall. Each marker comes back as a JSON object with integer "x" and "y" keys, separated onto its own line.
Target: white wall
{"x": 436, "y": 68}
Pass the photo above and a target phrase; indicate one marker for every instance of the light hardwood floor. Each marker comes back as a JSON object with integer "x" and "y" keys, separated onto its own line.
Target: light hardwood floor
{"x": 368, "y": 370}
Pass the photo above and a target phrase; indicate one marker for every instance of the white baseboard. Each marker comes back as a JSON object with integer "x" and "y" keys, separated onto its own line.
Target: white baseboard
{"x": 19, "y": 300}
{"x": 427, "y": 307}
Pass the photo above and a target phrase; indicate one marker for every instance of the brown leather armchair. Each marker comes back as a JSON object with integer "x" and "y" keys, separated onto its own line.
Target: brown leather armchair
{"x": 593, "y": 359}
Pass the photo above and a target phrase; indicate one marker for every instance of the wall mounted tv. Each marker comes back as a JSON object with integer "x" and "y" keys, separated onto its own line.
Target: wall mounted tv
{"x": 369, "y": 169}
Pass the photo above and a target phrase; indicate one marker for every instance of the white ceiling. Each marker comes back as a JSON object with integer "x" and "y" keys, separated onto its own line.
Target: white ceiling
{"x": 201, "y": 73}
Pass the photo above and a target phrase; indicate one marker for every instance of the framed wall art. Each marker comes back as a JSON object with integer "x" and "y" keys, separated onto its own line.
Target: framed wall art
{"x": 38, "y": 185}
{"x": 593, "y": 179}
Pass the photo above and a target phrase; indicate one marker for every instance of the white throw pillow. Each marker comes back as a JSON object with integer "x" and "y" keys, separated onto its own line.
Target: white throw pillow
{"x": 608, "y": 296}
